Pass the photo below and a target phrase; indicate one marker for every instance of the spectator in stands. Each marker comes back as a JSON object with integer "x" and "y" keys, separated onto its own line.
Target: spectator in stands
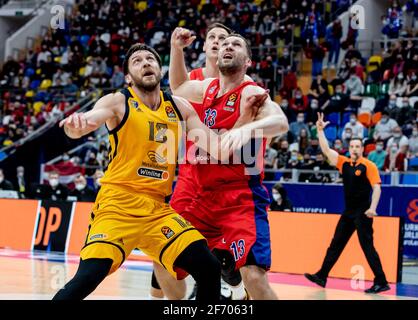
{"x": 91, "y": 164}
{"x": 320, "y": 165}
{"x": 398, "y": 85}
{"x": 395, "y": 159}
{"x": 312, "y": 112}
{"x": 378, "y": 155}
{"x": 393, "y": 110}
{"x": 118, "y": 78}
{"x": 318, "y": 54}
{"x": 5, "y": 184}
{"x": 384, "y": 128}
{"x": 357, "y": 129}
{"x": 20, "y": 184}
{"x": 338, "y": 102}
{"x": 319, "y": 89}
{"x": 354, "y": 88}
{"x": 299, "y": 103}
{"x": 281, "y": 201}
{"x": 338, "y": 146}
{"x": 413, "y": 143}
{"x": 399, "y": 139}
{"x": 412, "y": 87}
{"x": 303, "y": 140}
{"x": 352, "y": 53}
{"x": 98, "y": 174}
{"x": 313, "y": 148}
{"x": 343, "y": 72}
{"x": 346, "y": 137}
{"x": 335, "y": 36}
{"x": 294, "y": 162}
{"x": 283, "y": 155}
{"x": 82, "y": 191}
{"x": 298, "y": 125}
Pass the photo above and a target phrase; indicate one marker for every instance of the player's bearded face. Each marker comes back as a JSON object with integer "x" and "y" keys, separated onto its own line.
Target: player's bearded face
{"x": 144, "y": 71}
{"x": 232, "y": 56}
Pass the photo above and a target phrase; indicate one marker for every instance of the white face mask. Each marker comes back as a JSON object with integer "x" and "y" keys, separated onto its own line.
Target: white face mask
{"x": 53, "y": 182}
{"x": 379, "y": 148}
{"x": 353, "y": 120}
{"x": 276, "y": 196}
{"x": 80, "y": 186}
{"x": 415, "y": 133}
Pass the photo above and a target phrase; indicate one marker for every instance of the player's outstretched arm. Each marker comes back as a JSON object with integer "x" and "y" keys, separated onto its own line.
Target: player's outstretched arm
{"x": 332, "y": 155}
{"x": 106, "y": 108}
{"x": 205, "y": 138}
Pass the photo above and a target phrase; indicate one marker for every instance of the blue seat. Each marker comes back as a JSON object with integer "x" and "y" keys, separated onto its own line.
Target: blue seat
{"x": 84, "y": 39}
{"x": 412, "y": 163}
{"x": 331, "y": 133}
{"x": 29, "y": 72}
{"x": 409, "y": 178}
{"x": 35, "y": 84}
{"x": 345, "y": 118}
{"x": 334, "y": 118}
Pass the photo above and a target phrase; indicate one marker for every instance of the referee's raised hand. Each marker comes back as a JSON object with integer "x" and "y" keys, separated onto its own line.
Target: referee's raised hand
{"x": 320, "y": 124}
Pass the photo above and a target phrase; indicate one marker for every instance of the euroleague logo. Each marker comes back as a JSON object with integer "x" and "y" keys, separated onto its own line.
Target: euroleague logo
{"x": 412, "y": 210}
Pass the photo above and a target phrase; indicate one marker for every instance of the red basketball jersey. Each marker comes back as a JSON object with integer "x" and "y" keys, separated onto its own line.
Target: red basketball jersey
{"x": 222, "y": 113}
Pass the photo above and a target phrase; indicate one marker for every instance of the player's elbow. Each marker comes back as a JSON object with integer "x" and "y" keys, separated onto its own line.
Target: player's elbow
{"x": 281, "y": 126}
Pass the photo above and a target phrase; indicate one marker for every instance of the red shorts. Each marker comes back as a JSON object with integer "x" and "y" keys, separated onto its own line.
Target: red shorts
{"x": 234, "y": 218}
{"x": 185, "y": 189}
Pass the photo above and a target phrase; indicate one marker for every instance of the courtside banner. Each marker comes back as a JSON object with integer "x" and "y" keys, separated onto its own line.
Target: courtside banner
{"x": 17, "y": 221}
{"x": 299, "y": 242}
{"x": 395, "y": 202}
{"x": 53, "y": 224}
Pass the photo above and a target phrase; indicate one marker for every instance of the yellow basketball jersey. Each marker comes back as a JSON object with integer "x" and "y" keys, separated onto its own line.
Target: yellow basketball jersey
{"x": 144, "y": 147}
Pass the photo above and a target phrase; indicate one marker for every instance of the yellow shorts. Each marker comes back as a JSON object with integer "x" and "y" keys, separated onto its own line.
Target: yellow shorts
{"x": 122, "y": 221}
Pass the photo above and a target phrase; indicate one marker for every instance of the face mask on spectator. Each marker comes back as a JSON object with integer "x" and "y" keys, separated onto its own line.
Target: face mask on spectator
{"x": 379, "y": 148}
{"x": 397, "y": 134}
{"x": 348, "y": 135}
{"x": 392, "y": 103}
{"x": 384, "y": 120}
{"x": 80, "y": 186}
{"x": 338, "y": 146}
{"x": 394, "y": 149}
{"x": 20, "y": 174}
{"x": 294, "y": 157}
{"x": 405, "y": 104}
{"x": 300, "y": 119}
{"x": 314, "y": 105}
{"x": 400, "y": 77}
{"x": 276, "y": 196}
{"x": 53, "y": 182}
{"x": 353, "y": 120}
{"x": 284, "y": 104}
{"x": 298, "y": 96}
{"x": 338, "y": 91}
{"x": 415, "y": 133}
{"x": 414, "y": 78}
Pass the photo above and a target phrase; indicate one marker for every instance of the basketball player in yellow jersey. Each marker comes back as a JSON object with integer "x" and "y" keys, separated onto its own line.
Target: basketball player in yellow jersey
{"x": 130, "y": 209}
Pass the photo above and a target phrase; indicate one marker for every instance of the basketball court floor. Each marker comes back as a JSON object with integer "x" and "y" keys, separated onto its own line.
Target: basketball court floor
{"x": 38, "y": 276}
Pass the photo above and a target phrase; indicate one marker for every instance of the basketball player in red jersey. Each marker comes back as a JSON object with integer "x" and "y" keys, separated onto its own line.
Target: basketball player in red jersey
{"x": 186, "y": 185}
{"x": 230, "y": 206}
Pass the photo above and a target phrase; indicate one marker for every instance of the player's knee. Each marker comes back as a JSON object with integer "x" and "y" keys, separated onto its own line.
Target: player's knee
{"x": 254, "y": 276}
{"x": 229, "y": 274}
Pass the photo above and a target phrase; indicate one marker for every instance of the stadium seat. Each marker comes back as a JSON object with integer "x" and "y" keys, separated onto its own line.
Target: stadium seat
{"x": 368, "y": 104}
{"x": 345, "y": 118}
{"x": 365, "y": 119}
{"x": 29, "y": 72}
{"x": 333, "y": 118}
{"x": 331, "y": 133}
{"x": 330, "y": 90}
{"x": 384, "y": 89}
{"x": 373, "y": 63}
{"x": 45, "y": 84}
{"x": 82, "y": 71}
{"x": 376, "y": 118}
{"x": 34, "y": 84}
{"x": 29, "y": 94}
{"x": 37, "y": 107}
{"x": 57, "y": 59}
{"x": 84, "y": 39}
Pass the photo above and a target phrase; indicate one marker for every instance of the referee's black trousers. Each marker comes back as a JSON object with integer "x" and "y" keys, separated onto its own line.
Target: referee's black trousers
{"x": 343, "y": 232}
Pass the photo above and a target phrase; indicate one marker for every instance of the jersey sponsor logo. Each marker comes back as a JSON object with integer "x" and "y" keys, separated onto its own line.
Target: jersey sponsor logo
{"x": 229, "y": 109}
{"x": 134, "y": 104}
{"x": 154, "y": 174}
{"x": 167, "y": 232}
{"x": 212, "y": 89}
{"x": 98, "y": 236}
{"x": 231, "y": 100}
{"x": 155, "y": 157}
{"x": 210, "y": 117}
{"x": 169, "y": 110}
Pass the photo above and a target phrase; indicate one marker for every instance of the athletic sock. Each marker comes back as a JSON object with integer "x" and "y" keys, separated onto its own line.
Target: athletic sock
{"x": 238, "y": 292}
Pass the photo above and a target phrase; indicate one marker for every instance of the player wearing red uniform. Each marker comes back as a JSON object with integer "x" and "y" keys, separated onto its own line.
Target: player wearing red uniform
{"x": 230, "y": 207}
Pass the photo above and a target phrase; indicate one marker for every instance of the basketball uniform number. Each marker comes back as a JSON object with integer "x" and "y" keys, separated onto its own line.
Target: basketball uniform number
{"x": 238, "y": 249}
{"x": 161, "y": 130}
